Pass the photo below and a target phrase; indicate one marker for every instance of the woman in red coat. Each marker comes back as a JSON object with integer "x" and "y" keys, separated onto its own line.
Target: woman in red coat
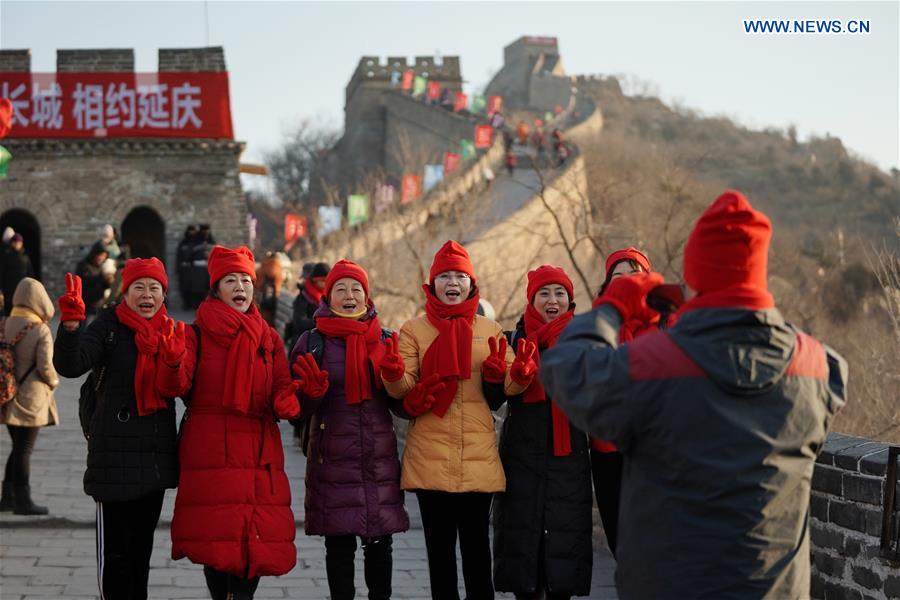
{"x": 233, "y": 508}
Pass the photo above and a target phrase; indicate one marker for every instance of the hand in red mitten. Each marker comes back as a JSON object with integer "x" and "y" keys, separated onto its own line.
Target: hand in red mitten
{"x": 628, "y": 295}
{"x": 421, "y": 398}
{"x": 523, "y": 367}
{"x": 172, "y": 346}
{"x": 392, "y": 366}
{"x": 286, "y": 404}
{"x": 71, "y": 306}
{"x": 493, "y": 369}
{"x": 313, "y": 380}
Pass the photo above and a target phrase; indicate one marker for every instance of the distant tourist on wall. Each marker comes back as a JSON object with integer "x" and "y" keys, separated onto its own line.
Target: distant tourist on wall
{"x": 183, "y": 259}
{"x": 14, "y": 266}
{"x": 269, "y": 279}
{"x": 96, "y": 282}
{"x": 199, "y": 280}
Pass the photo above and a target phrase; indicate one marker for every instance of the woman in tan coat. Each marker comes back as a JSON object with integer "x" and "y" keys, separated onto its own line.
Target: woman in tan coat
{"x": 34, "y": 406}
{"x": 450, "y": 371}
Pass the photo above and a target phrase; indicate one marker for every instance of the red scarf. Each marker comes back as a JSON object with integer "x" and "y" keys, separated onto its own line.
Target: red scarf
{"x": 364, "y": 347}
{"x": 243, "y": 334}
{"x": 545, "y": 334}
{"x": 450, "y": 354}
{"x": 314, "y": 292}
{"x": 147, "y": 336}
{"x": 749, "y": 297}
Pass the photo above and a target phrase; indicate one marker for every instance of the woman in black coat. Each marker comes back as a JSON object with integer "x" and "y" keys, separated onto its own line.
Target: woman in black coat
{"x": 542, "y": 522}
{"x": 132, "y": 445}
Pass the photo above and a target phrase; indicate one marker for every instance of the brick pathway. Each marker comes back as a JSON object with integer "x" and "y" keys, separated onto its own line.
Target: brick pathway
{"x": 54, "y": 557}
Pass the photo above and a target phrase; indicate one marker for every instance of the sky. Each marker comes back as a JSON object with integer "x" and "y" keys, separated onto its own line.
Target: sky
{"x": 291, "y": 60}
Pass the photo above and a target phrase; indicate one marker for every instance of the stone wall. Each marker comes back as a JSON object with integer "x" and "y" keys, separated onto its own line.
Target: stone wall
{"x": 845, "y": 524}
{"x": 70, "y": 188}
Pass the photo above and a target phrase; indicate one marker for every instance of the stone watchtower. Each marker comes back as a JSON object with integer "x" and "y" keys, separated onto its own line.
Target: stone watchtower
{"x": 532, "y": 75}
{"x": 361, "y": 150}
{"x": 60, "y": 192}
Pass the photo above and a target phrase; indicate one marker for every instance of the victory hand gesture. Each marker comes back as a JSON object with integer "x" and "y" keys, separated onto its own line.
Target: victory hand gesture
{"x": 71, "y": 306}
{"x": 523, "y": 367}
{"x": 392, "y": 367}
{"x": 493, "y": 369}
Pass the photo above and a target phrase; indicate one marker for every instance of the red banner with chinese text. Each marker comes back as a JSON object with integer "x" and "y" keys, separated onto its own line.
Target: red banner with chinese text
{"x": 451, "y": 162}
{"x": 484, "y": 135}
{"x": 97, "y": 105}
{"x": 494, "y": 104}
{"x": 411, "y": 188}
{"x": 460, "y": 101}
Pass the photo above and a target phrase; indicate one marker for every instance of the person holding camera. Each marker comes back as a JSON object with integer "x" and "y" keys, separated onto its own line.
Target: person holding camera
{"x": 719, "y": 419}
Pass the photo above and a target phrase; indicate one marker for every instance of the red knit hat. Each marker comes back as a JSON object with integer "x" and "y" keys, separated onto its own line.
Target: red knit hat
{"x": 545, "y": 275}
{"x": 346, "y": 268}
{"x": 451, "y": 257}
{"x": 728, "y": 246}
{"x": 629, "y": 253}
{"x": 223, "y": 261}
{"x": 6, "y": 116}
{"x": 135, "y": 268}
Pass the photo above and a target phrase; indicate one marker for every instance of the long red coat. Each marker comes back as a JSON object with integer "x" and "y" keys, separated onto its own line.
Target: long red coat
{"x": 233, "y": 508}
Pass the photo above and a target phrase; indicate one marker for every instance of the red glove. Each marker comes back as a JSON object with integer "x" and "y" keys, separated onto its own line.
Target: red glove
{"x": 392, "y": 366}
{"x": 493, "y": 369}
{"x": 523, "y": 367}
{"x": 172, "y": 345}
{"x": 313, "y": 380}
{"x": 420, "y": 399}
{"x": 628, "y": 295}
{"x": 71, "y": 306}
{"x": 286, "y": 404}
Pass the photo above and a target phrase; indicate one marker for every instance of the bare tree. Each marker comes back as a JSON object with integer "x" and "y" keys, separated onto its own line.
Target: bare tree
{"x": 299, "y": 158}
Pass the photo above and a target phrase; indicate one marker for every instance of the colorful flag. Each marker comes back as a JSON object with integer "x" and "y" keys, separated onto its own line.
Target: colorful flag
{"x": 459, "y": 101}
{"x": 420, "y": 84}
{"x": 357, "y": 209}
{"x": 478, "y": 103}
{"x": 467, "y": 149}
{"x": 411, "y": 188}
{"x": 407, "y": 82}
{"x": 384, "y": 197}
{"x": 434, "y": 90}
{"x": 548, "y": 116}
{"x": 484, "y": 135}
{"x": 434, "y": 174}
{"x": 494, "y": 104}
{"x": 329, "y": 219}
{"x": 295, "y": 227}
{"x": 5, "y": 157}
{"x": 451, "y": 162}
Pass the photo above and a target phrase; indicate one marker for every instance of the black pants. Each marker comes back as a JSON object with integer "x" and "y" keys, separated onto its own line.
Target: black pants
{"x": 378, "y": 565}
{"x": 124, "y": 544}
{"x": 225, "y": 586}
{"x": 18, "y": 465}
{"x": 444, "y": 516}
{"x": 606, "y": 469}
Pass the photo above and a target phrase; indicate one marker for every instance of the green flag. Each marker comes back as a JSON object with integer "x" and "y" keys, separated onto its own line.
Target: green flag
{"x": 5, "y": 157}
{"x": 357, "y": 209}
{"x": 467, "y": 149}
{"x": 420, "y": 84}
{"x": 479, "y": 103}
{"x": 548, "y": 116}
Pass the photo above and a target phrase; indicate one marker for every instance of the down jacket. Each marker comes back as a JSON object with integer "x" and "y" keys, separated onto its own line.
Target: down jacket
{"x": 547, "y": 505}
{"x": 353, "y": 468}
{"x": 34, "y": 405}
{"x": 719, "y": 420}
{"x": 456, "y": 453}
{"x": 233, "y": 508}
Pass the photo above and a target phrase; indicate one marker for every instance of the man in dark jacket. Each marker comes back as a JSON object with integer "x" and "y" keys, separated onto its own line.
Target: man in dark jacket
{"x": 14, "y": 268}
{"x": 719, "y": 418}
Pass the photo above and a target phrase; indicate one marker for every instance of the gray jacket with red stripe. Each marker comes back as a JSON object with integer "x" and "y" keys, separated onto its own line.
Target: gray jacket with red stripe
{"x": 720, "y": 420}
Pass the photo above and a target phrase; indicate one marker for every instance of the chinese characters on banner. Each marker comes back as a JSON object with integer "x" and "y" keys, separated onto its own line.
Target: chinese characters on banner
{"x": 434, "y": 90}
{"x": 295, "y": 227}
{"x": 411, "y": 188}
{"x": 407, "y": 82}
{"x": 62, "y": 105}
{"x": 484, "y": 135}
{"x": 459, "y": 101}
{"x": 451, "y": 162}
{"x": 357, "y": 209}
{"x": 494, "y": 104}
{"x": 329, "y": 219}
{"x": 434, "y": 174}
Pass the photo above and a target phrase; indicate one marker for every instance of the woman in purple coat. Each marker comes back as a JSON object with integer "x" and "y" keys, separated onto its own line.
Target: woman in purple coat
{"x": 352, "y": 469}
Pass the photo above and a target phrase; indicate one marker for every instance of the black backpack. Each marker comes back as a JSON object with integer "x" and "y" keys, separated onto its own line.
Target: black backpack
{"x": 315, "y": 345}
{"x": 90, "y": 389}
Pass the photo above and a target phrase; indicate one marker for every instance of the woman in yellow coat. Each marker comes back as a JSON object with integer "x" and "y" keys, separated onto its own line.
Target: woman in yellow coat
{"x": 450, "y": 371}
